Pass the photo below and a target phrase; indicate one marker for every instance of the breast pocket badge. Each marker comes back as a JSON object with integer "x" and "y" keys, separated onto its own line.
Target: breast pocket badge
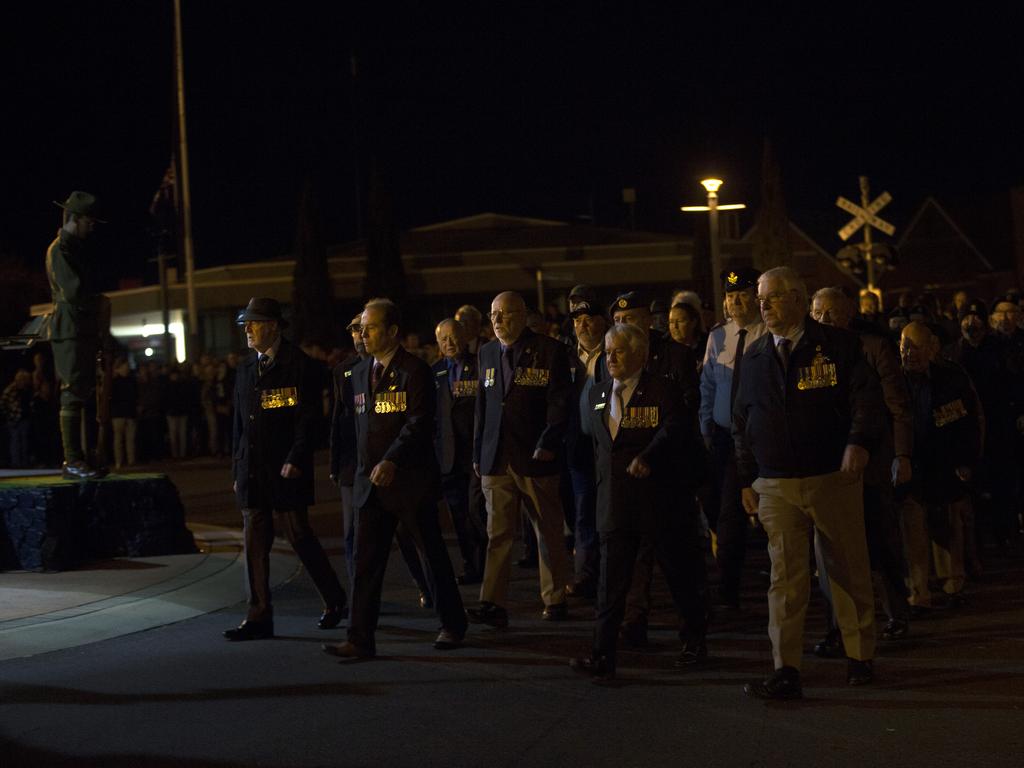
{"x": 284, "y": 397}
{"x": 390, "y": 402}
{"x": 949, "y": 412}
{"x": 465, "y": 388}
{"x": 820, "y": 374}
{"x": 532, "y": 377}
{"x": 642, "y": 417}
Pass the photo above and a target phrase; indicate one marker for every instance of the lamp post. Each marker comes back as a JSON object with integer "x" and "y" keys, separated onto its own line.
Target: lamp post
{"x": 712, "y": 186}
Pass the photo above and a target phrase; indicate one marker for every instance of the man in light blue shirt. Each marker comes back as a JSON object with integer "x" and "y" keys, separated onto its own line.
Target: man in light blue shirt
{"x": 718, "y": 383}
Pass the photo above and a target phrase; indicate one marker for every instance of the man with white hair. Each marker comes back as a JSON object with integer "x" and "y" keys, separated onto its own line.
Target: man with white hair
{"x": 808, "y": 406}
{"x": 643, "y": 430}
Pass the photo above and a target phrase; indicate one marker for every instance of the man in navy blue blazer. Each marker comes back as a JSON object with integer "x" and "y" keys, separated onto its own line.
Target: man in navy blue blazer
{"x": 520, "y": 426}
{"x": 643, "y": 430}
{"x": 457, "y": 383}
{"x": 396, "y": 481}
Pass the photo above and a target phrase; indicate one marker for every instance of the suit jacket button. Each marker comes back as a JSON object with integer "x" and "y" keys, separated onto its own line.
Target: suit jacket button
{"x": 252, "y": 417}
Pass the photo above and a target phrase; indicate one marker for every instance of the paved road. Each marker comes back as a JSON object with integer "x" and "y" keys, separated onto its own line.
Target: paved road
{"x": 178, "y": 695}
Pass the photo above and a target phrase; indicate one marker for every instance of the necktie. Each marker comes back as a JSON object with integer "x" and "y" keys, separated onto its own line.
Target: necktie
{"x": 616, "y": 409}
{"x": 453, "y": 374}
{"x": 741, "y": 340}
{"x": 507, "y": 370}
{"x": 783, "y": 350}
{"x": 378, "y": 371}
{"x": 263, "y": 364}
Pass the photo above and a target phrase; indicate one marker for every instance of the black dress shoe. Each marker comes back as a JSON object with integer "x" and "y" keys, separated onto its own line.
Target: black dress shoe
{"x": 897, "y": 629}
{"x": 469, "y": 578}
{"x": 347, "y": 651}
{"x": 585, "y": 589}
{"x": 488, "y": 613}
{"x": 250, "y": 630}
{"x": 331, "y": 617}
{"x": 694, "y": 652}
{"x": 783, "y": 685}
{"x": 425, "y": 600}
{"x": 860, "y": 672}
{"x": 634, "y": 636}
{"x": 599, "y": 668}
{"x": 830, "y": 646}
{"x": 447, "y": 640}
{"x": 79, "y": 470}
{"x": 556, "y": 612}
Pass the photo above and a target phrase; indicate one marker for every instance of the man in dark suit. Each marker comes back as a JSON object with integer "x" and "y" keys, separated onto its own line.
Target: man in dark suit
{"x": 590, "y": 325}
{"x": 396, "y": 481}
{"x": 642, "y": 432}
{"x": 457, "y": 382}
{"x": 678, "y": 363}
{"x": 277, "y": 397}
{"x": 807, "y": 409}
{"x": 519, "y": 428}
{"x": 935, "y": 505}
{"x": 343, "y": 468}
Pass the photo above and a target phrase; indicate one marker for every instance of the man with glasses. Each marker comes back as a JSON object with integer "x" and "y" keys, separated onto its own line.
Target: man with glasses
{"x": 807, "y": 408}
{"x": 520, "y": 425}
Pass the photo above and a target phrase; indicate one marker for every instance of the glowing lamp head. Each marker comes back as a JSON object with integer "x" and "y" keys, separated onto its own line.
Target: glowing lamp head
{"x": 711, "y": 185}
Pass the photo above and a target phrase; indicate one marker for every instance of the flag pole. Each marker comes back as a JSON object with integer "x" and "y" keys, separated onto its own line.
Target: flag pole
{"x": 186, "y": 194}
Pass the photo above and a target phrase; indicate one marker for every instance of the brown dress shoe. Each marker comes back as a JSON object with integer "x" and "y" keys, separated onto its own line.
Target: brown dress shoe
{"x": 347, "y": 651}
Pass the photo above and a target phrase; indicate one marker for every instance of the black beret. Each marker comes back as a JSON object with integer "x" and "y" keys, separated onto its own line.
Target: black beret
{"x": 630, "y": 300}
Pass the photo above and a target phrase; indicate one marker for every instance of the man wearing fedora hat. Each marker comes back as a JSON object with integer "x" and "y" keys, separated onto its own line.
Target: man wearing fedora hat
{"x": 277, "y": 396}
{"x": 80, "y": 315}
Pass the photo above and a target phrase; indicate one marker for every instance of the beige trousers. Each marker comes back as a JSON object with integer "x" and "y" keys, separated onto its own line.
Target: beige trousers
{"x": 504, "y": 495}
{"x": 789, "y": 509}
{"x": 921, "y": 546}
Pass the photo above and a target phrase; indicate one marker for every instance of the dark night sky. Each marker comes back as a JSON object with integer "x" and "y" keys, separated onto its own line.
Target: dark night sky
{"x": 532, "y": 111}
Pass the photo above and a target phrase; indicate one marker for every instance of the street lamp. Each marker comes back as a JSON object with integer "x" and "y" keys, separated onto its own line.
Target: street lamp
{"x": 712, "y": 186}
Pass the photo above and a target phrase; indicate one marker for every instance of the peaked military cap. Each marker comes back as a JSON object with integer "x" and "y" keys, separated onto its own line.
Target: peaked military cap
{"x": 356, "y": 324}
{"x": 739, "y": 279}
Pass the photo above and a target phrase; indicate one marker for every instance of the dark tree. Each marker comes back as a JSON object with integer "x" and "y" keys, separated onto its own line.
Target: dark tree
{"x": 312, "y": 300}
{"x": 385, "y": 275}
{"x": 771, "y": 238}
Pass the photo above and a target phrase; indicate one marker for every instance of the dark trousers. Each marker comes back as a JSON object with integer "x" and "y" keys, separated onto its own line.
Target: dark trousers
{"x": 587, "y": 544}
{"x": 677, "y": 548}
{"x": 468, "y": 507}
{"x": 730, "y": 525}
{"x": 405, "y": 545}
{"x": 375, "y": 530}
{"x": 259, "y": 540}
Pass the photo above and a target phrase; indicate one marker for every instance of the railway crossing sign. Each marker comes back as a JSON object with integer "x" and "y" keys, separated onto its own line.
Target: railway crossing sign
{"x": 865, "y": 215}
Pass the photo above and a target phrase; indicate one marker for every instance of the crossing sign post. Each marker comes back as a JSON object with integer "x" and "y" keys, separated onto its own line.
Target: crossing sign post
{"x": 865, "y": 216}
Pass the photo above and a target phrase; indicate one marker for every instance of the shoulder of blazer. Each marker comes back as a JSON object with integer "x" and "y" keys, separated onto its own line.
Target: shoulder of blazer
{"x": 360, "y": 372}
{"x": 759, "y": 346}
{"x": 491, "y": 348}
